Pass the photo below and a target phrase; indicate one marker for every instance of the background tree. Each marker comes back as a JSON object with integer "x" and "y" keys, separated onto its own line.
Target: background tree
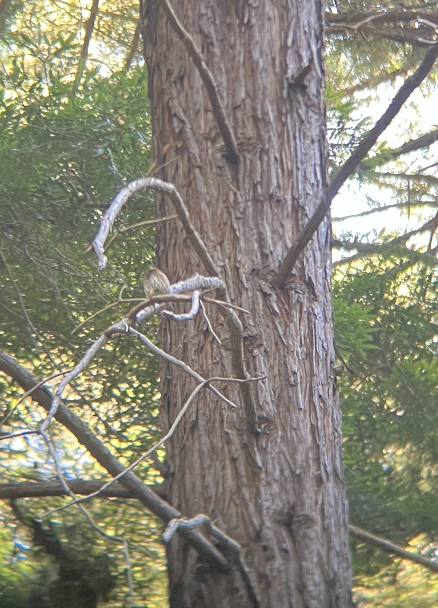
{"x": 76, "y": 134}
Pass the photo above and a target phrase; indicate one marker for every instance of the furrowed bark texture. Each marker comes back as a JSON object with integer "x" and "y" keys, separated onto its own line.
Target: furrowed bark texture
{"x": 280, "y": 494}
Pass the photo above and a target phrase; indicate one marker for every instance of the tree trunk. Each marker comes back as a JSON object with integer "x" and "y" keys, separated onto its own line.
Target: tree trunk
{"x": 280, "y": 493}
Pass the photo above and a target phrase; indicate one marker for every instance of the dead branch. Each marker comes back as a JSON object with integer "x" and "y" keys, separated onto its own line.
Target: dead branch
{"x": 166, "y": 189}
{"x": 161, "y": 442}
{"x": 232, "y": 153}
{"x": 89, "y": 27}
{"x": 43, "y": 489}
{"x": 137, "y": 225}
{"x": 233, "y": 323}
{"x": 352, "y": 163}
{"x": 191, "y": 372}
{"x": 389, "y": 547}
{"x": 99, "y": 451}
{"x": 134, "y": 46}
{"x": 406, "y": 205}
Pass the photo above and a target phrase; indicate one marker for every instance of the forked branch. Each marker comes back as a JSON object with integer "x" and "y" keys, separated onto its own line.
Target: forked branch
{"x": 100, "y": 452}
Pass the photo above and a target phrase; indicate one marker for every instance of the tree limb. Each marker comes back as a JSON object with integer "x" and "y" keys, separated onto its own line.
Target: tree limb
{"x": 368, "y": 249}
{"x": 352, "y": 163}
{"x": 389, "y": 547}
{"x": 407, "y": 204}
{"x": 134, "y": 46}
{"x": 166, "y": 189}
{"x": 224, "y": 126}
{"x": 104, "y": 457}
{"x": 43, "y": 489}
{"x": 410, "y": 146}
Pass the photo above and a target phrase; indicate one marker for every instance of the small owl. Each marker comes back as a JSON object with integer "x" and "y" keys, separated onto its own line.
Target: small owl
{"x": 155, "y": 283}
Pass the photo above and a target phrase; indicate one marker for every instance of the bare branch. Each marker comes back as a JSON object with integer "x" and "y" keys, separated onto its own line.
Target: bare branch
{"x": 137, "y": 225}
{"x": 232, "y": 153}
{"x": 185, "y": 316}
{"x": 389, "y": 547}
{"x": 231, "y": 319}
{"x": 191, "y": 372}
{"x": 167, "y": 189}
{"x": 352, "y": 163}
{"x": 89, "y": 27}
{"x": 98, "y": 450}
{"x": 42, "y": 489}
{"x": 408, "y": 204}
{"x": 134, "y": 46}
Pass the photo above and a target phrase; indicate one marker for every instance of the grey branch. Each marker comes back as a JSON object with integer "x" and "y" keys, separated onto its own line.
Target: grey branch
{"x": 233, "y": 322}
{"x": 188, "y": 315}
{"x": 99, "y": 451}
{"x": 164, "y": 188}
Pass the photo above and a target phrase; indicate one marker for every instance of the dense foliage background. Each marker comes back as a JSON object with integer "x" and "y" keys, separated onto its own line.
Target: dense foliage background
{"x": 74, "y": 127}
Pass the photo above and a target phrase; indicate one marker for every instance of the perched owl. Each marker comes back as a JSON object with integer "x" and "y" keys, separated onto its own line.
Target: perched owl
{"x": 155, "y": 283}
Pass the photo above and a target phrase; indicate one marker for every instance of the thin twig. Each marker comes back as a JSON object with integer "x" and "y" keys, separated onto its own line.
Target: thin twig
{"x": 104, "y": 309}
{"x": 351, "y": 164}
{"x": 163, "y": 440}
{"x": 137, "y": 225}
{"x": 29, "y": 392}
{"x": 224, "y": 126}
{"x": 226, "y": 304}
{"x": 19, "y": 434}
{"x": 209, "y": 325}
{"x": 97, "y": 449}
{"x": 191, "y": 372}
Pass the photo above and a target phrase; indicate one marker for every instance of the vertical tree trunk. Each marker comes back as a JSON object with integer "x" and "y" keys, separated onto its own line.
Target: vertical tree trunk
{"x": 279, "y": 493}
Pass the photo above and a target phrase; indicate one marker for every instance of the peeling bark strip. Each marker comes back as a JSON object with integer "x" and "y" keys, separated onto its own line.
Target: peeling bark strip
{"x": 281, "y": 494}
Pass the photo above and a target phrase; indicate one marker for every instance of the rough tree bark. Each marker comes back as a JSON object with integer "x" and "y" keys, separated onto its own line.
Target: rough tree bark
{"x": 281, "y": 492}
